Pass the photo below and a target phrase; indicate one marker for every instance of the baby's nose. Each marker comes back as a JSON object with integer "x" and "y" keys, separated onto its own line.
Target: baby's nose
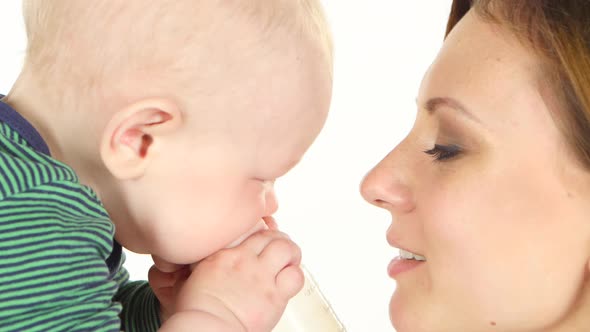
{"x": 272, "y": 204}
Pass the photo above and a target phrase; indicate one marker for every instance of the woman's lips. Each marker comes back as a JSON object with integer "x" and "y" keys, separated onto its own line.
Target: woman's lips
{"x": 399, "y": 265}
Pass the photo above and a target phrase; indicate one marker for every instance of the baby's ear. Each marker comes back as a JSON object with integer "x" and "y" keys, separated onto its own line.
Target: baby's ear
{"x": 131, "y": 137}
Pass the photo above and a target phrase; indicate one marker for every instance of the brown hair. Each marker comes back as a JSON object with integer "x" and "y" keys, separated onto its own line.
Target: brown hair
{"x": 559, "y": 32}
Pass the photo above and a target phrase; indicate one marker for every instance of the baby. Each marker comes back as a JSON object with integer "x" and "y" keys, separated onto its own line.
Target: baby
{"x": 160, "y": 127}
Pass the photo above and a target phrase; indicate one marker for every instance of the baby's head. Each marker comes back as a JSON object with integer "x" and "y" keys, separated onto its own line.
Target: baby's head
{"x": 191, "y": 109}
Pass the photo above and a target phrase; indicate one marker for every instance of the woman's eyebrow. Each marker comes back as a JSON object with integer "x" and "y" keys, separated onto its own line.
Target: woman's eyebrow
{"x": 433, "y": 104}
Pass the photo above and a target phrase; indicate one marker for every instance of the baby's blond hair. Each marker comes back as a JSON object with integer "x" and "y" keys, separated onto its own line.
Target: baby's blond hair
{"x": 82, "y": 43}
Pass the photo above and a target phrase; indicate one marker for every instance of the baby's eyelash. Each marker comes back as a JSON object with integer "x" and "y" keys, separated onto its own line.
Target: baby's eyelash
{"x": 443, "y": 152}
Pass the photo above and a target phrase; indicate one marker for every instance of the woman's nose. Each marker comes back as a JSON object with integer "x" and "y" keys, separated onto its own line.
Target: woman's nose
{"x": 383, "y": 187}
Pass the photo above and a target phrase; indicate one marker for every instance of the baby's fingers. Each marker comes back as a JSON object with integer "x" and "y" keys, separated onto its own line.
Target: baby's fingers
{"x": 271, "y": 223}
{"x": 290, "y": 281}
{"x": 280, "y": 253}
{"x": 257, "y": 242}
{"x": 282, "y": 257}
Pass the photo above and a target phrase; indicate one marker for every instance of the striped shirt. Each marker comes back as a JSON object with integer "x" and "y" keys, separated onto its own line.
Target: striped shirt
{"x": 60, "y": 267}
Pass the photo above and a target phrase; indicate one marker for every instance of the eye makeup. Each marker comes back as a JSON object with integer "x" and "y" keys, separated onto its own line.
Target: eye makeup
{"x": 442, "y": 153}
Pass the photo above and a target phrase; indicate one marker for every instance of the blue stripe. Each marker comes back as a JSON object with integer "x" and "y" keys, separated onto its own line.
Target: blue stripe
{"x": 76, "y": 313}
{"x": 46, "y": 202}
{"x": 26, "y": 175}
{"x": 57, "y": 291}
{"x": 36, "y": 259}
{"x": 38, "y": 267}
{"x": 56, "y": 273}
{"x": 74, "y": 279}
{"x": 62, "y": 235}
{"x": 46, "y": 189}
{"x": 99, "y": 229}
{"x": 7, "y": 209}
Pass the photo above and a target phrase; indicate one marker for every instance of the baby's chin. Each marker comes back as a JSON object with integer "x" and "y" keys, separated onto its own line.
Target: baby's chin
{"x": 260, "y": 225}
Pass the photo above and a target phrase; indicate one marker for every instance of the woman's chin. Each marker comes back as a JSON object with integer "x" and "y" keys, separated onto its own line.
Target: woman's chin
{"x": 406, "y": 315}
{"x": 400, "y": 313}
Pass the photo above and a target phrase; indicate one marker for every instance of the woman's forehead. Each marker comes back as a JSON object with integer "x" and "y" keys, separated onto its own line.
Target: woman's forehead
{"x": 482, "y": 66}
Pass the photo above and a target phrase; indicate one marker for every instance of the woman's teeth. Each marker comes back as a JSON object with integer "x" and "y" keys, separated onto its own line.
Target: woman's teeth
{"x": 410, "y": 255}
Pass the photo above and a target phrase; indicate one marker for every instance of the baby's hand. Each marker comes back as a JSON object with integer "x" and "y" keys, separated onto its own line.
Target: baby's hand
{"x": 246, "y": 287}
{"x": 166, "y": 279}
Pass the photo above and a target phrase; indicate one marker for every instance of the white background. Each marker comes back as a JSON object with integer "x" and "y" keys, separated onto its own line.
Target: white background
{"x": 382, "y": 49}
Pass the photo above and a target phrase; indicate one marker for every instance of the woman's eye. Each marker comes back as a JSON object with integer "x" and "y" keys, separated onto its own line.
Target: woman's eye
{"x": 443, "y": 152}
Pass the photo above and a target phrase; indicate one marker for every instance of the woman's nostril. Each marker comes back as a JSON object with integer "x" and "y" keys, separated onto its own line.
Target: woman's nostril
{"x": 379, "y": 202}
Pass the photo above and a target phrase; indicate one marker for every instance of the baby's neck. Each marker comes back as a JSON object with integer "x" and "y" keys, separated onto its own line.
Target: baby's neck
{"x": 61, "y": 124}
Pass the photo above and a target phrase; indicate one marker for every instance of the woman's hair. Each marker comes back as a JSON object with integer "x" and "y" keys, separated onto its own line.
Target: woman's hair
{"x": 559, "y": 32}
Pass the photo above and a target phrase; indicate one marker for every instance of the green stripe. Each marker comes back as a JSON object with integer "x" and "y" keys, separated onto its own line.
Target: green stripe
{"x": 50, "y": 220}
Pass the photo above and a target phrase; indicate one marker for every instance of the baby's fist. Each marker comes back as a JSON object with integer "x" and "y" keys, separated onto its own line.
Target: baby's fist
{"x": 249, "y": 285}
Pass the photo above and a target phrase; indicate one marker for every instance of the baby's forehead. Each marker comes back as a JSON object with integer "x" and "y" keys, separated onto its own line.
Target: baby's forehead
{"x": 117, "y": 38}
{"x": 171, "y": 16}
{"x": 118, "y": 46}
{"x": 116, "y": 29}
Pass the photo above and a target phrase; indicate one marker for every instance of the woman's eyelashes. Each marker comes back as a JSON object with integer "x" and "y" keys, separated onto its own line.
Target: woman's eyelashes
{"x": 444, "y": 152}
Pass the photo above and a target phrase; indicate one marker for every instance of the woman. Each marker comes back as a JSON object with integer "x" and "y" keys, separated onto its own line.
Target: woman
{"x": 490, "y": 191}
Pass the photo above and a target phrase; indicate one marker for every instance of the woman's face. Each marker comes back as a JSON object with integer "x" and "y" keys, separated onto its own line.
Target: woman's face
{"x": 487, "y": 190}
